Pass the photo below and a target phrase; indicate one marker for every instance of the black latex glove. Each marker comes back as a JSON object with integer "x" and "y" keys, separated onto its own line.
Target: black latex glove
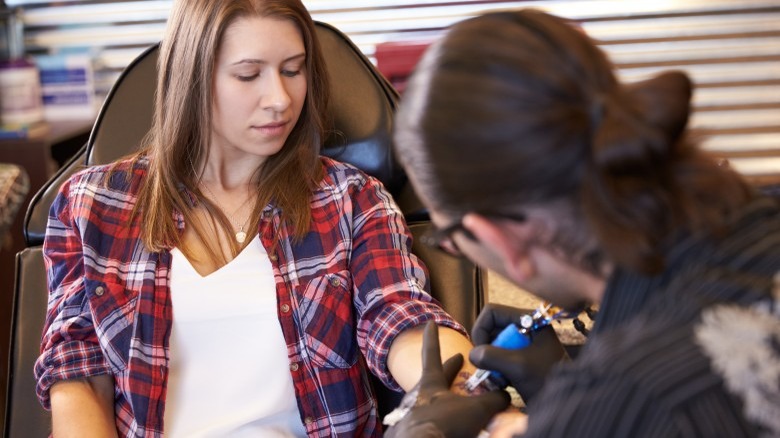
{"x": 525, "y": 369}
{"x": 438, "y": 412}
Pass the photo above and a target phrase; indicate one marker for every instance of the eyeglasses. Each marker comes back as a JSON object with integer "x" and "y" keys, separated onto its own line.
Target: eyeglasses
{"x": 441, "y": 238}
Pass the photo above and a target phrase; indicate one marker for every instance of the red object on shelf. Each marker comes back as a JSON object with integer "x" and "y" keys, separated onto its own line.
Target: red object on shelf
{"x": 396, "y": 60}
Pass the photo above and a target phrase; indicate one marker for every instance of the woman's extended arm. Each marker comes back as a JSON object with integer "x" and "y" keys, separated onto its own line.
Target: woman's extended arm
{"x": 391, "y": 291}
{"x": 83, "y": 407}
{"x": 405, "y": 362}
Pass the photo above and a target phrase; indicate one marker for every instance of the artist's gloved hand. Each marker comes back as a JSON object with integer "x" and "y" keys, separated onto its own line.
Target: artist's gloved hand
{"x": 438, "y": 412}
{"x": 525, "y": 369}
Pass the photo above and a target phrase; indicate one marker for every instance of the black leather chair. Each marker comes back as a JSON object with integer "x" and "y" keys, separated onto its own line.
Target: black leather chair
{"x": 363, "y": 103}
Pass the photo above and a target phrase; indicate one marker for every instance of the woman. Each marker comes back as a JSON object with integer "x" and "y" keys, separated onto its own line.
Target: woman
{"x": 535, "y": 161}
{"x": 226, "y": 280}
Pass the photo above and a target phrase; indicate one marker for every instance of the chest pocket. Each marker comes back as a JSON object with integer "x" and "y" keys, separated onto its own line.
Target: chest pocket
{"x": 113, "y": 311}
{"x": 327, "y": 316}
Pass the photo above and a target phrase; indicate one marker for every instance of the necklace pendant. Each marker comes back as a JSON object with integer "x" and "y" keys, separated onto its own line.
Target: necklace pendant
{"x": 240, "y": 236}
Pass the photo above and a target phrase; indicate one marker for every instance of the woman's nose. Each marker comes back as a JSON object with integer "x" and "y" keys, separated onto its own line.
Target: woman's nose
{"x": 276, "y": 96}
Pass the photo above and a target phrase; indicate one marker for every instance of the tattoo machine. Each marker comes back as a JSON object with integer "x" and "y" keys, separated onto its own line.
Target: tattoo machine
{"x": 515, "y": 338}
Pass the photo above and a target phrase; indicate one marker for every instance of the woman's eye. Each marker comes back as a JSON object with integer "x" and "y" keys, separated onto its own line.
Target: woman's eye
{"x": 290, "y": 73}
{"x": 247, "y": 78}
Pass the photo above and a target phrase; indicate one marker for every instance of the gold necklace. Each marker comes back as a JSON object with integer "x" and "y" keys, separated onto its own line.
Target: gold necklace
{"x": 240, "y": 234}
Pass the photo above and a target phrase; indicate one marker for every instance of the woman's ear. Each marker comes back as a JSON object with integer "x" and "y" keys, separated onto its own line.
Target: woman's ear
{"x": 508, "y": 241}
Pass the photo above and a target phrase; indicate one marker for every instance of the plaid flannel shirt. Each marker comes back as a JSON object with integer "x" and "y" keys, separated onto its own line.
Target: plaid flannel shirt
{"x": 343, "y": 294}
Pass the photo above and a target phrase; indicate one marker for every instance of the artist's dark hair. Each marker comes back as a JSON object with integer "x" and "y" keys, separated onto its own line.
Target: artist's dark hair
{"x": 522, "y": 108}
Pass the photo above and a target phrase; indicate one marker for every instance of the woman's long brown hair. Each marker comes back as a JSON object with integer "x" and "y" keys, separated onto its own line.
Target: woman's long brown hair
{"x": 180, "y": 133}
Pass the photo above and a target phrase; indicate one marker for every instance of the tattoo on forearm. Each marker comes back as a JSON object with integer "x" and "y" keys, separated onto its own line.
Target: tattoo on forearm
{"x": 460, "y": 384}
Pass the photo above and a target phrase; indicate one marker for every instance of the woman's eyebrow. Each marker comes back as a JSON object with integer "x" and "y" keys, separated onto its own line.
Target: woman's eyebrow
{"x": 262, "y": 61}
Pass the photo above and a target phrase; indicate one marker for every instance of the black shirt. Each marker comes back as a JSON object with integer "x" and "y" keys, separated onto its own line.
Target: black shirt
{"x": 694, "y": 351}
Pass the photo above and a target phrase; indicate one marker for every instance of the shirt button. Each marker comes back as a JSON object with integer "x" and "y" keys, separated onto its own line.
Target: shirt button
{"x": 99, "y": 291}
{"x": 293, "y": 367}
{"x": 272, "y": 257}
{"x": 335, "y": 282}
{"x": 308, "y": 420}
{"x": 285, "y": 308}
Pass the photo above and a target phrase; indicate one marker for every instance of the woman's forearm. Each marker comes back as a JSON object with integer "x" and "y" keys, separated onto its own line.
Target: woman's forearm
{"x": 83, "y": 408}
{"x": 405, "y": 360}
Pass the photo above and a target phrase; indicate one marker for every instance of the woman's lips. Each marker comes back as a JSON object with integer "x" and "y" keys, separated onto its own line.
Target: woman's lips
{"x": 271, "y": 129}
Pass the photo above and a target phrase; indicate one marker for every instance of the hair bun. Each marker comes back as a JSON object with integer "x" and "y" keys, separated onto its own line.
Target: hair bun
{"x": 636, "y": 126}
{"x": 664, "y": 102}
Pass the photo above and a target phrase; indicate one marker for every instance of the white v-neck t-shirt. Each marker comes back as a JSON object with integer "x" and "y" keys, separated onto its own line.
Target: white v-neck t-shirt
{"x": 229, "y": 372}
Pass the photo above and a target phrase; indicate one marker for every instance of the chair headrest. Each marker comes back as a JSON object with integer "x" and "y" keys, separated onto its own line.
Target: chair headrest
{"x": 362, "y": 104}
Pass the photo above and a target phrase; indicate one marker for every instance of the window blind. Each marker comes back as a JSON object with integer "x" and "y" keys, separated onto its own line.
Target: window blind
{"x": 731, "y": 48}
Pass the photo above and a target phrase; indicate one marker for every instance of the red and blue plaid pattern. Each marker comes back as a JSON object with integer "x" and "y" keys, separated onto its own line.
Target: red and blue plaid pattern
{"x": 343, "y": 294}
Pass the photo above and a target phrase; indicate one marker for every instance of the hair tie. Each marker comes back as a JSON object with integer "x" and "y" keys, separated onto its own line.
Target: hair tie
{"x": 596, "y": 112}
{"x": 604, "y": 106}
{"x": 600, "y": 105}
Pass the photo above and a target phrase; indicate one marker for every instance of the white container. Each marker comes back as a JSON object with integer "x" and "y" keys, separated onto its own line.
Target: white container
{"x": 21, "y": 103}
{"x": 67, "y": 86}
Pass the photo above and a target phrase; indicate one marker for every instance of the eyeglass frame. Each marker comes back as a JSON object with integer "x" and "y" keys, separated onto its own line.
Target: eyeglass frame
{"x": 435, "y": 237}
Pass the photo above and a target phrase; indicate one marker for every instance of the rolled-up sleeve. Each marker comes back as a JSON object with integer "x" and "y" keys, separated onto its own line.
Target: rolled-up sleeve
{"x": 69, "y": 346}
{"x": 391, "y": 287}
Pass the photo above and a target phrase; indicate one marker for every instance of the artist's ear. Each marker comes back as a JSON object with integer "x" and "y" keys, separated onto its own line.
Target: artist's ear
{"x": 506, "y": 240}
